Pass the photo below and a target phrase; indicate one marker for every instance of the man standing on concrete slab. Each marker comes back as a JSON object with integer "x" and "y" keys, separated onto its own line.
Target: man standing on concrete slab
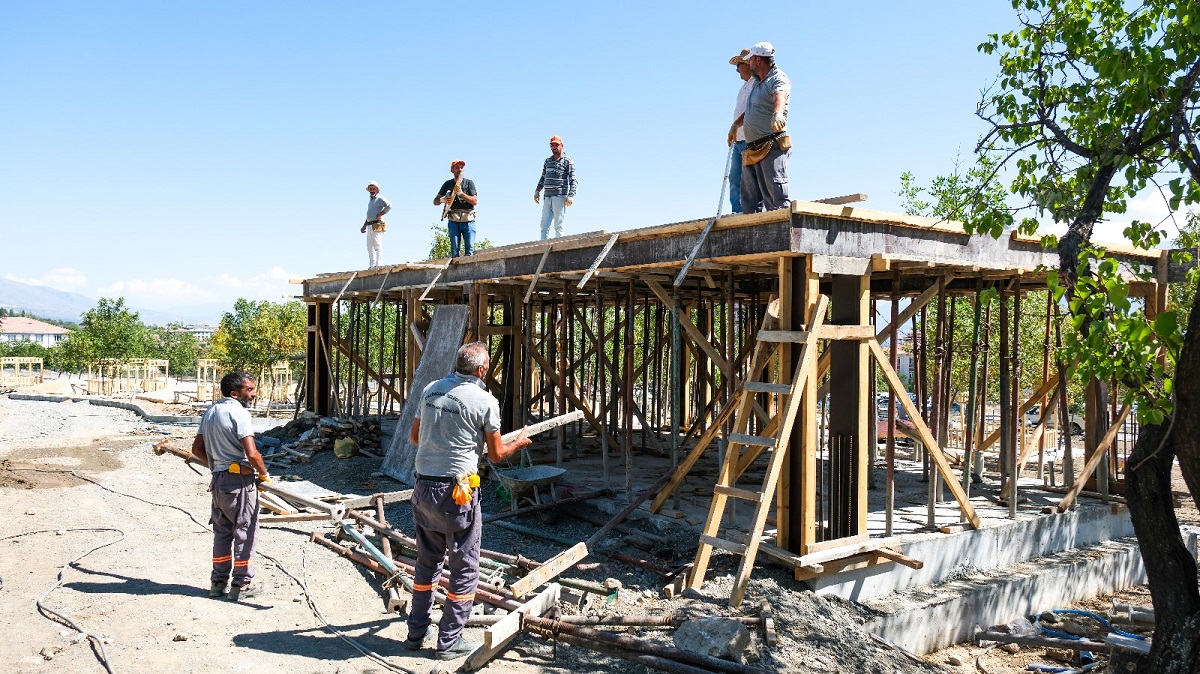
{"x": 225, "y": 443}
{"x": 454, "y": 413}
{"x": 458, "y": 199}
{"x": 737, "y": 135}
{"x": 768, "y": 147}
{"x": 558, "y": 179}
{"x": 374, "y": 226}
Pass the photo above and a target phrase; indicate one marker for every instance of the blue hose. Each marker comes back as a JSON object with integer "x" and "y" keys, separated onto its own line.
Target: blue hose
{"x": 1094, "y": 616}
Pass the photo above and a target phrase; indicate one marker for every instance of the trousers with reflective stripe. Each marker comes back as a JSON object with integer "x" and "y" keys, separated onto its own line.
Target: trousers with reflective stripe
{"x": 235, "y": 526}
{"x": 444, "y": 529}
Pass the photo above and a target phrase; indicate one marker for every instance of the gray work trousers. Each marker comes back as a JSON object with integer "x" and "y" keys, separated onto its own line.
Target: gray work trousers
{"x": 765, "y": 184}
{"x": 444, "y": 529}
{"x": 235, "y": 526}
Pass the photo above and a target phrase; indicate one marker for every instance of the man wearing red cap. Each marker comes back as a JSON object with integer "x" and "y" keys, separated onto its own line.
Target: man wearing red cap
{"x": 458, "y": 196}
{"x": 558, "y": 179}
{"x": 768, "y": 146}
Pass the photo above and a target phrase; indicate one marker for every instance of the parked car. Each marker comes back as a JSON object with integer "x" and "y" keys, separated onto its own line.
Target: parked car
{"x": 1034, "y": 415}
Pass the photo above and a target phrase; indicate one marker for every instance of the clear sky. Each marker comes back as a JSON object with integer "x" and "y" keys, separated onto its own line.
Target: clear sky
{"x": 183, "y": 154}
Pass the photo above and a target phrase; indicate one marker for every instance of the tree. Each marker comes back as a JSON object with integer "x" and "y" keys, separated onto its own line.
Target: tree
{"x": 439, "y": 248}
{"x": 111, "y": 330}
{"x": 175, "y": 344}
{"x": 1097, "y": 100}
{"x": 24, "y": 348}
{"x": 256, "y": 335}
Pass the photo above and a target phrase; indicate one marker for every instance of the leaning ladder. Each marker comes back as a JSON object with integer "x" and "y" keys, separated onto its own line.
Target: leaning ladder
{"x": 774, "y": 440}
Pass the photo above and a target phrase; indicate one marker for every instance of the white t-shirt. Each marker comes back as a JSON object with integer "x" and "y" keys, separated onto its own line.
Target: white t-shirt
{"x": 743, "y": 99}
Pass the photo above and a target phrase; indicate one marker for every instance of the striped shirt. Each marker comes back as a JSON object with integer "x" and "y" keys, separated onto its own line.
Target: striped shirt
{"x": 558, "y": 177}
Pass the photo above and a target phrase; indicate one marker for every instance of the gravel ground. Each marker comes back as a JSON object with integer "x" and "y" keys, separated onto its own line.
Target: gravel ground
{"x": 144, "y": 594}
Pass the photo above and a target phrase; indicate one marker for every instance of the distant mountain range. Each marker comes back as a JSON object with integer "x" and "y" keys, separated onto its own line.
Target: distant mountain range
{"x": 57, "y": 304}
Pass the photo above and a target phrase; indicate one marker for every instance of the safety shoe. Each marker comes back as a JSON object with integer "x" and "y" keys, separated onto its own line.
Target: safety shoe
{"x": 246, "y": 591}
{"x": 459, "y": 649}
{"x": 414, "y": 644}
{"x": 218, "y": 588}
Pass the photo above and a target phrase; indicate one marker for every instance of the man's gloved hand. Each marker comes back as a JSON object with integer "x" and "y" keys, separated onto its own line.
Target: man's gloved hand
{"x": 263, "y": 479}
{"x": 732, "y": 137}
{"x": 569, "y": 201}
{"x": 537, "y": 197}
{"x": 778, "y": 121}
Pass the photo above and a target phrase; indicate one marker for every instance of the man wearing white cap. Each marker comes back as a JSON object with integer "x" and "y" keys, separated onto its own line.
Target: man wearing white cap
{"x": 374, "y": 226}
{"x": 768, "y": 147}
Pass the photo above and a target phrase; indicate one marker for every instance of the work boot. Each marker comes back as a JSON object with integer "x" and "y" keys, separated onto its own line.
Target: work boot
{"x": 459, "y": 649}
{"x": 414, "y": 644}
{"x": 218, "y": 588}
{"x": 246, "y": 591}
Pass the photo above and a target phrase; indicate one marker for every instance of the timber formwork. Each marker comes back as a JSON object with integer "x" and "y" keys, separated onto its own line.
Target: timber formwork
{"x": 605, "y": 322}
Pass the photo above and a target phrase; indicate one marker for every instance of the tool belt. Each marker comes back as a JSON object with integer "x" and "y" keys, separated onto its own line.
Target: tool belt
{"x": 239, "y": 469}
{"x": 759, "y": 149}
{"x": 459, "y": 215}
{"x": 377, "y": 225}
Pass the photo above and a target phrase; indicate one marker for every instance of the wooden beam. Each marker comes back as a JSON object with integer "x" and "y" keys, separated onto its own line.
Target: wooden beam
{"x": 496, "y": 637}
{"x": 931, "y": 445}
{"x": 550, "y": 570}
{"x": 1094, "y": 460}
{"x": 845, "y": 199}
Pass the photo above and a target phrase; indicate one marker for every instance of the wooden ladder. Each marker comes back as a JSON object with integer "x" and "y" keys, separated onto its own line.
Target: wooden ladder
{"x": 774, "y": 439}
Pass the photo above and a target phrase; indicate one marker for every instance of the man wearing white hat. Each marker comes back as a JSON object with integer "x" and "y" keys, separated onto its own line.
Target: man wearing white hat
{"x": 737, "y": 137}
{"x": 374, "y": 226}
{"x": 768, "y": 147}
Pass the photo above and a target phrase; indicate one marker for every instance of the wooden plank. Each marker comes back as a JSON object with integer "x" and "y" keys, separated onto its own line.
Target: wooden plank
{"x": 496, "y": 637}
{"x": 756, "y": 440}
{"x": 744, "y": 494}
{"x": 445, "y": 336}
{"x": 901, "y": 558}
{"x": 550, "y": 570}
{"x": 927, "y": 439}
{"x": 416, "y": 334}
{"x": 543, "y": 426}
{"x": 293, "y": 517}
{"x": 1094, "y": 460}
{"x": 388, "y": 497}
{"x": 722, "y": 544}
{"x": 845, "y": 199}
{"x": 867, "y": 559}
{"x": 767, "y": 387}
{"x": 612, "y": 240}
{"x": 782, "y": 336}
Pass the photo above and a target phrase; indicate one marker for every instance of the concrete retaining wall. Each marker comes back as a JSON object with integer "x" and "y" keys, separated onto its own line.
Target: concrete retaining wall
{"x": 992, "y": 547}
{"x": 932, "y": 617}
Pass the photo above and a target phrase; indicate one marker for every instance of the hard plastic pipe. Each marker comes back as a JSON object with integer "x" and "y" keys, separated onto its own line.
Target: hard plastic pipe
{"x": 512, "y": 560}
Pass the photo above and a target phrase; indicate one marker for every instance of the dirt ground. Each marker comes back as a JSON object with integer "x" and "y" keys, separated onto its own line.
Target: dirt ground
{"x": 79, "y": 479}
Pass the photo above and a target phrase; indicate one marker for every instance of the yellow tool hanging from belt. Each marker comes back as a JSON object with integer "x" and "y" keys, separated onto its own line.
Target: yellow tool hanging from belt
{"x": 464, "y": 488}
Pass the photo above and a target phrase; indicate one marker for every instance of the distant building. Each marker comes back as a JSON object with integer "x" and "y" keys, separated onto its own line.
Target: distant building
{"x": 203, "y": 333}
{"x": 18, "y": 329}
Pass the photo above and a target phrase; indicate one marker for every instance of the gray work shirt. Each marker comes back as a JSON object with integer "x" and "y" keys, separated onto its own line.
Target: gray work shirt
{"x": 223, "y": 426}
{"x": 761, "y": 106}
{"x": 454, "y": 413}
{"x": 377, "y": 206}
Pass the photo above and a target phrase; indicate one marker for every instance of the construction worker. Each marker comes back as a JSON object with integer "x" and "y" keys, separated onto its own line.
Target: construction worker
{"x": 374, "y": 226}
{"x": 454, "y": 412}
{"x": 558, "y": 179}
{"x": 768, "y": 147}
{"x": 226, "y": 444}
{"x": 458, "y": 198}
{"x": 737, "y": 136}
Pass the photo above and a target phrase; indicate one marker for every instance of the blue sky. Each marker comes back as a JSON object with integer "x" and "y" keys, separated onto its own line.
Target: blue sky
{"x": 185, "y": 154}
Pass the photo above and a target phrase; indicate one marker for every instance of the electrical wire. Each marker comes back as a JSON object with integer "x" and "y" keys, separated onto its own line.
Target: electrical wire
{"x": 96, "y": 640}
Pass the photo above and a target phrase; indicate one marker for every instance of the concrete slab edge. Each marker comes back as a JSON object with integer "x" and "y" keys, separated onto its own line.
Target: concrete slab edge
{"x": 154, "y": 418}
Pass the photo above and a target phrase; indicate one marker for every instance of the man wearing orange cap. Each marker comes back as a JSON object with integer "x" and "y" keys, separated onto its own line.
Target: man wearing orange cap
{"x": 459, "y": 197}
{"x": 558, "y": 179}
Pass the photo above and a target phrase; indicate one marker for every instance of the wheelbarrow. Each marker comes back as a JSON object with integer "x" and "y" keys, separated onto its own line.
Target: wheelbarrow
{"x": 528, "y": 481}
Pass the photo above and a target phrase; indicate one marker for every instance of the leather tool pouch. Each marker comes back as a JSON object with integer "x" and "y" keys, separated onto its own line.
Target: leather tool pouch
{"x": 462, "y": 216}
{"x": 752, "y": 157}
{"x": 785, "y": 142}
{"x": 379, "y": 226}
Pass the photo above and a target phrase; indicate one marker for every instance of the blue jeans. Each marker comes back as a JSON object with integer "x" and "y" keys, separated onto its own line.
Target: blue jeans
{"x": 465, "y": 231}
{"x": 554, "y": 209}
{"x": 735, "y": 177}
